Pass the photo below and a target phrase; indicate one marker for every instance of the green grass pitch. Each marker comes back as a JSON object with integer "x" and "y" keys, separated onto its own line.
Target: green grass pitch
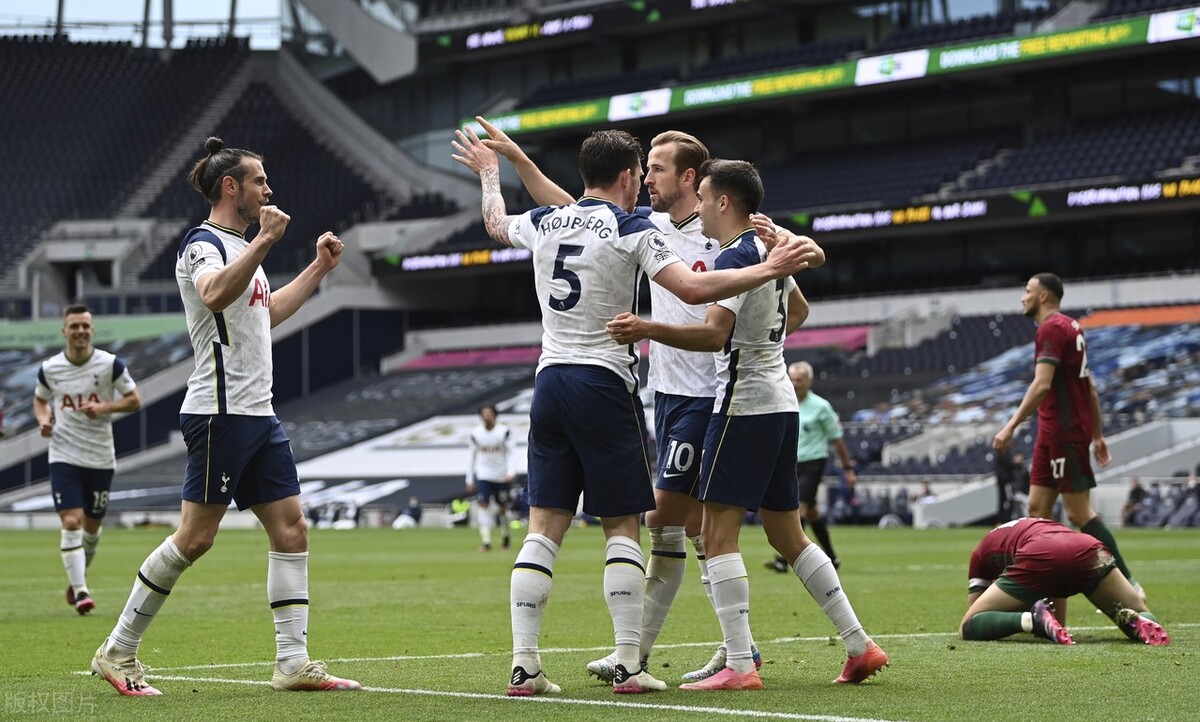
{"x": 421, "y": 619}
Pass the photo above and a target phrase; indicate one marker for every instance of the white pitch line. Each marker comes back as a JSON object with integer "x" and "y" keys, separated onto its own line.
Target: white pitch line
{"x": 574, "y": 650}
{"x": 756, "y": 714}
{"x": 396, "y": 658}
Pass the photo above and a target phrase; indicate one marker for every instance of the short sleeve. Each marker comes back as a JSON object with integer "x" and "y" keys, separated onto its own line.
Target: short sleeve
{"x": 739, "y": 256}
{"x": 122, "y": 381}
{"x": 202, "y": 257}
{"x": 833, "y": 427}
{"x": 652, "y": 252}
{"x": 42, "y": 390}
{"x": 523, "y": 231}
{"x": 1049, "y": 344}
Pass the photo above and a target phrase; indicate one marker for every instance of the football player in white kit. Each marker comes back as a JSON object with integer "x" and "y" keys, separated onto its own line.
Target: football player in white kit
{"x": 490, "y": 458}
{"x": 78, "y": 390}
{"x": 237, "y": 449}
{"x": 749, "y": 456}
{"x": 684, "y": 381}
{"x": 586, "y": 432}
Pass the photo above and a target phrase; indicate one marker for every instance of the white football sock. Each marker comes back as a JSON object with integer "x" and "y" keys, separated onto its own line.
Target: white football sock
{"x": 287, "y": 592}
{"x": 816, "y": 572}
{"x": 624, "y": 591}
{"x": 664, "y": 575}
{"x": 73, "y": 558}
{"x": 483, "y": 518}
{"x": 529, "y": 590}
{"x": 155, "y": 579}
{"x": 90, "y": 542}
{"x": 702, "y": 562}
{"x": 731, "y": 595}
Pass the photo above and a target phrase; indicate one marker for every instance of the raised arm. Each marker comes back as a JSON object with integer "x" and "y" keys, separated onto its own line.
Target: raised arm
{"x": 287, "y": 300}
{"x": 544, "y": 191}
{"x": 772, "y": 234}
{"x": 218, "y": 290}
{"x": 484, "y": 162}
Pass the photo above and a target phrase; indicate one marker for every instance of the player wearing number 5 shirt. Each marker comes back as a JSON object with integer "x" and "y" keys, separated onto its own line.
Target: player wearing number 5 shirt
{"x": 1069, "y": 417}
{"x": 586, "y": 433}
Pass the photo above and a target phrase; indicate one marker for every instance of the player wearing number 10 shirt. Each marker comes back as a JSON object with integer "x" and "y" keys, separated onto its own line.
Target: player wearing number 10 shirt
{"x": 586, "y": 430}
{"x": 1069, "y": 417}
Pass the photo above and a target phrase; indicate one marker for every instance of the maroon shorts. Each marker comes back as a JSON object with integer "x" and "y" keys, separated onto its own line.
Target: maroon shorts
{"x": 1064, "y": 466}
{"x": 1057, "y": 565}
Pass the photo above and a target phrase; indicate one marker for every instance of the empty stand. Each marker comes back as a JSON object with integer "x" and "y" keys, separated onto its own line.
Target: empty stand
{"x": 91, "y": 118}
{"x": 820, "y": 53}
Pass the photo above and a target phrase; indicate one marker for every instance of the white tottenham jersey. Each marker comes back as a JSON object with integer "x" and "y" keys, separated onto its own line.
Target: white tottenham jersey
{"x": 751, "y": 376}
{"x": 492, "y": 453}
{"x": 232, "y": 346}
{"x": 588, "y": 258}
{"x": 78, "y": 440}
{"x": 672, "y": 370}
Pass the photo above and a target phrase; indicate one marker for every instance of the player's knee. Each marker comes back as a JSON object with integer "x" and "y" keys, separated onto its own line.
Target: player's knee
{"x": 964, "y": 629}
{"x": 71, "y": 523}
{"x": 195, "y": 545}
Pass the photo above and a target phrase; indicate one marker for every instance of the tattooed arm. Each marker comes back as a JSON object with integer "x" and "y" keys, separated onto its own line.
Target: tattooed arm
{"x": 484, "y": 162}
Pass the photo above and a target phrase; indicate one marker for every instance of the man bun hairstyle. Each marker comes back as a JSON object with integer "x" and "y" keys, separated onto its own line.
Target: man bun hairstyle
{"x": 207, "y": 173}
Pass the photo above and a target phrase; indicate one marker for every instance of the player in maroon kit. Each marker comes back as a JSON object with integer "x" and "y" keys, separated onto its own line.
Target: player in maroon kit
{"x": 1032, "y": 559}
{"x": 1068, "y": 417}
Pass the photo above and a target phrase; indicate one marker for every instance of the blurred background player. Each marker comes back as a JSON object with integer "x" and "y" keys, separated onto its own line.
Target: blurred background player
{"x": 819, "y": 426}
{"x": 78, "y": 390}
{"x": 588, "y": 260}
{"x": 749, "y": 459}
{"x": 237, "y": 450}
{"x": 1069, "y": 419}
{"x": 490, "y": 458}
{"x": 1032, "y": 561}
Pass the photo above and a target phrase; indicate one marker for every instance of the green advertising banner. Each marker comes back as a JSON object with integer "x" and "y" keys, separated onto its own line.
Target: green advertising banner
{"x": 906, "y": 65}
{"x": 1087, "y": 39}
{"x": 48, "y": 333}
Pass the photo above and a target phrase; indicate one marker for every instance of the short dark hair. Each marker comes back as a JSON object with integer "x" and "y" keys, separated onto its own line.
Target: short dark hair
{"x": 76, "y": 308}
{"x": 604, "y": 154}
{"x": 736, "y": 179}
{"x": 206, "y": 175}
{"x": 487, "y": 406}
{"x": 1051, "y": 283}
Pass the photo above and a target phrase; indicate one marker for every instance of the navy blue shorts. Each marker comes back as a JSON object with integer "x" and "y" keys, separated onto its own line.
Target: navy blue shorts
{"x": 750, "y": 461}
{"x": 245, "y": 459}
{"x": 587, "y": 435}
{"x": 680, "y": 423}
{"x": 485, "y": 491}
{"x": 808, "y": 475}
{"x": 76, "y": 487}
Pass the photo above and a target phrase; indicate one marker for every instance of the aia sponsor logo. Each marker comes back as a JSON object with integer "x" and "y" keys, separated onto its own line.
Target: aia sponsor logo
{"x": 261, "y": 295}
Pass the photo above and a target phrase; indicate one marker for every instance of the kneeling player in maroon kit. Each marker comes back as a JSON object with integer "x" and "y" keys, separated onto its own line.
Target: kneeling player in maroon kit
{"x": 1034, "y": 560}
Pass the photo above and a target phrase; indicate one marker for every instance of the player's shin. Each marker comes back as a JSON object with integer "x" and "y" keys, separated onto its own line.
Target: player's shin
{"x": 624, "y": 580}
{"x": 816, "y": 572}
{"x": 155, "y": 580}
{"x": 74, "y": 559}
{"x": 731, "y": 598}
{"x": 664, "y": 575}
{"x": 529, "y": 590}
{"x": 287, "y": 593}
{"x": 90, "y": 542}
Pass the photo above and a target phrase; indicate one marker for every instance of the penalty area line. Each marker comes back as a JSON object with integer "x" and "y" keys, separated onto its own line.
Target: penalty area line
{"x": 649, "y": 707}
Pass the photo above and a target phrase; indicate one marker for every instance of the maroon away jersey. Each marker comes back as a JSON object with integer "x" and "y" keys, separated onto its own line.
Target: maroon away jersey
{"x": 1065, "y": 415}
